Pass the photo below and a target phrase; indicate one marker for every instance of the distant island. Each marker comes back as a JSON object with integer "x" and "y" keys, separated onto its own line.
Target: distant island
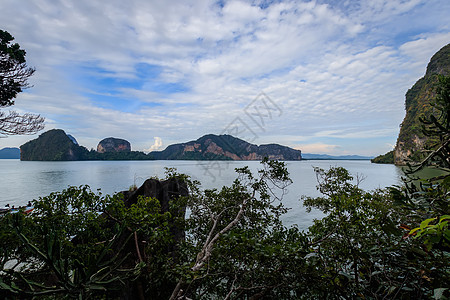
{"x": 56, "y": 145}
{"x": 9, "y": 153}
{"x": 225, "y": 147}
{"x": 310, "y": 156}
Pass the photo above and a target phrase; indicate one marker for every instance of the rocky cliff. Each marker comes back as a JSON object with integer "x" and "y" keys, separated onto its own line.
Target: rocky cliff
{"x": 113, "y": 145}
{"x": 52, "y": 145}
{"x": 411, "y": 141}
{"x": 225, "y": 147}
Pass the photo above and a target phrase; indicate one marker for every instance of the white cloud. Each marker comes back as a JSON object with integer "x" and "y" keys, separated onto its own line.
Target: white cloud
{"x": 317, "y": 148}
{"x": 157, "y": 145}
{"x": 423, "y": 48}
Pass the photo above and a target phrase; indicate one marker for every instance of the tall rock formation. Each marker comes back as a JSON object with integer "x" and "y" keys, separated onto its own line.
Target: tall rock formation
{"x": 113, "y": 145}
{"x": 52, "y": 145}
{"x": 411, "y": 141}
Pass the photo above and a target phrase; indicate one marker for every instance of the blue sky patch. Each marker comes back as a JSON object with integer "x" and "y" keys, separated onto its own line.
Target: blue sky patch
{"x": 106, "y": 88}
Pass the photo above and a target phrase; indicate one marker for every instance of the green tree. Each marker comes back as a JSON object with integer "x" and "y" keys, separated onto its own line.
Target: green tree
{"x": 362, "y": 246}
{"x": 392, "y": 243}
{"x": 66, "y": 247}
{"x": 237, "y": 247}
{"x": 14, "y": 75}
{"x": 80, "y": 244}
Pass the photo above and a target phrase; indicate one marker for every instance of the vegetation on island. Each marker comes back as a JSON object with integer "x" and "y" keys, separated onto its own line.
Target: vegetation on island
{"x": 387, "y": 158}
{"x": 384, "y": 244}
{"x": 225, "y": 147}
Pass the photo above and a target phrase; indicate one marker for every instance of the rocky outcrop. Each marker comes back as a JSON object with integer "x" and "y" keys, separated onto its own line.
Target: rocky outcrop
{"x": 411, "y": 140}
{"x": 113, "y": 145}
{"x": 225, "y": 147}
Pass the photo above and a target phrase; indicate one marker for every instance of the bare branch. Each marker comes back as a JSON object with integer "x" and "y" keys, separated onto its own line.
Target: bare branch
{"x": 360, "y": 178}
{"x": 206, "y": 252}
{"x": 423, "y": 163}
{"x": 14, "y": 124}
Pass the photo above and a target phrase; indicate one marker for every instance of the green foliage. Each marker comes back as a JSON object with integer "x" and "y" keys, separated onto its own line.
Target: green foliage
{"x": 435, "y": 235}
{"x": 14, "y": 75}
{"x": 237, "y": 246}
{"x": 357, "y": 244}
{"x": 79, "y": 244}
{"x": 14, "y": 72}
{"x": 430, "y": 197}
{"x": 131, "y": 155}
{"x": 363, "y": 245}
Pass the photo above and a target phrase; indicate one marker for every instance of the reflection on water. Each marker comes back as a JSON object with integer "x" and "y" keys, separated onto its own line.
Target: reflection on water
{"x": 55, "y": 177}
{"x": 22, "y": 181}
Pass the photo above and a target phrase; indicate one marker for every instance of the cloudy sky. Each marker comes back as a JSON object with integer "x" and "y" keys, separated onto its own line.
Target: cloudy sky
{"x": 320, "y": 76}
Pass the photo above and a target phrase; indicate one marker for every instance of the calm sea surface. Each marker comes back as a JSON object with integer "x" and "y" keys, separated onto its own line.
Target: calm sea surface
{"x": 22, "y": 181}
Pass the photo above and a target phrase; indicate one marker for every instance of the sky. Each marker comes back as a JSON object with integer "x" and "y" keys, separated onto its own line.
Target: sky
{"x": 319, "y": 76}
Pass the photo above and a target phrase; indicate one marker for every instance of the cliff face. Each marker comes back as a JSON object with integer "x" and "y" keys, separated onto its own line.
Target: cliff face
{"x": 411, "y": 140}
{"x": 113, "y": 145}
{"x": 226, "y": 147}
{"x": 52, "y": 145}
